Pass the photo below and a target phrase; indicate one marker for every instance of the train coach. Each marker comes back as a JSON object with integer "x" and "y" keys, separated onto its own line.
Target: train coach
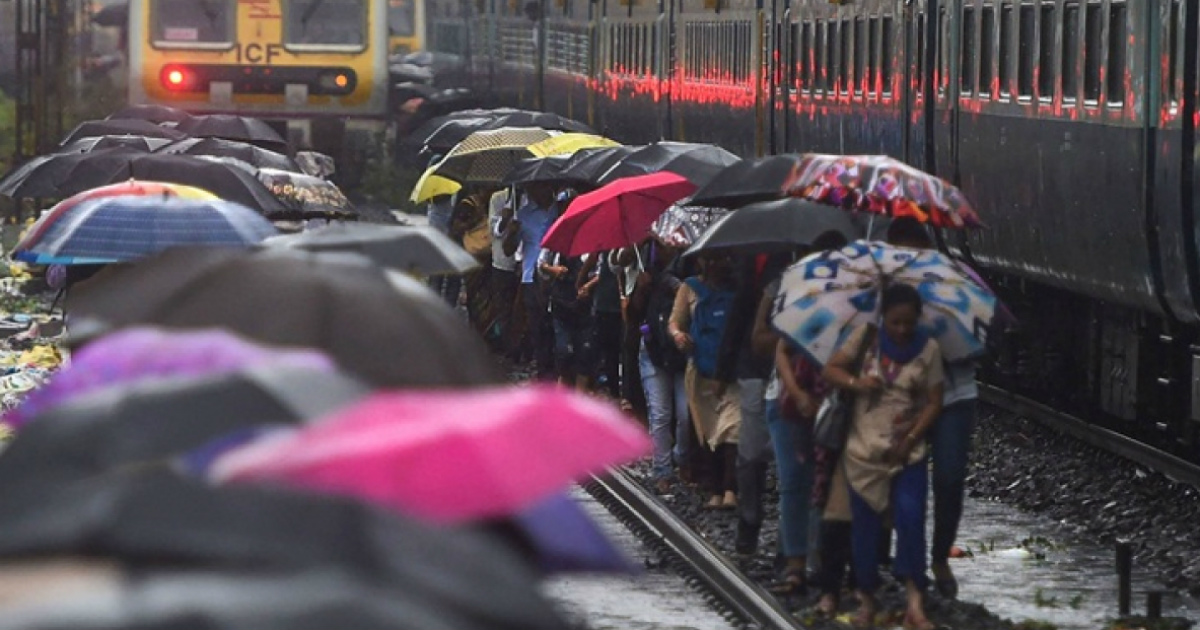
{"x": 1070, "y": 123}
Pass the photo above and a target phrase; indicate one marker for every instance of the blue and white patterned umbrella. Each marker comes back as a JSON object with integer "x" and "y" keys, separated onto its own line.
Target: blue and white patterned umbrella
{"x": 117, "y": 229}
{"x": 827, "y": 295}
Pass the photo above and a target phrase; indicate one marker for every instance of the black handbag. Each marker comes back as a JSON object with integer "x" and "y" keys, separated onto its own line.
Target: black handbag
{"x": 832, "y": 424}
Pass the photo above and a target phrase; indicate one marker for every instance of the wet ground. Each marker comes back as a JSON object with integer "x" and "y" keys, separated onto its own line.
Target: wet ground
{"x": 658, "y": 598}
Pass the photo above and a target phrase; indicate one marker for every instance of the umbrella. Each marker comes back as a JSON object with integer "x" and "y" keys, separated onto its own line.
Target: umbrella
{"x": 153, "y": 113}
{"x": 305, "y": 196}
{"x": 569, "y": 143}
{"x": 140, "y": 353}
{"x": 827, "y": 295}
{"x": 588, "y": 165}
{"x": 221, "y": 178}
{"x": 121, "y": 127}
{"x": 96, "y": 143}
{"x": 433, "y": 186}
{"x": 120, "y": 229}
{"x": 880, "y": 184}
{"x": 218, "y": 147}
{"x": 565, "y": 538}
{"x": 487, "y": 156}
{"x": 750, "y": 181}
{"x": 439, "y": 135}
{"x": 239, "y": 128}
{"x": 154, "y": 419}
{"x": 64, "y": 174}
{"x": 421, "y": 251}
{"x": 162, "y": 520}
{"x": 615, "y": 215}
{"x": 681, "y": 225}
{"x": 540, "y": 120}
{"x": 774, "y": 225}
{"x": 697, "y": 162}
{"x": 384, "y": 327}
{"x": 446, "y": 456}
{"x": 529, "y": 170}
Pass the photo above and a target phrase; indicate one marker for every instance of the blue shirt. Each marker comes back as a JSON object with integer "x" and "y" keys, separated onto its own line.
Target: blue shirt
{"x": 535, "y": 220}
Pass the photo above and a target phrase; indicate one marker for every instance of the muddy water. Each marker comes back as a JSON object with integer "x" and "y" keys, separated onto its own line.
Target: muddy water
{"x": 1027, "y": 567}
{"x": 656, "y": 599}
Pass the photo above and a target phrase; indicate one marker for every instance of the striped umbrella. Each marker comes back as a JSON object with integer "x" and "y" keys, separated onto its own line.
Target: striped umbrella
{"x": 118, "y": 229}
{"x": 487, "y": 156}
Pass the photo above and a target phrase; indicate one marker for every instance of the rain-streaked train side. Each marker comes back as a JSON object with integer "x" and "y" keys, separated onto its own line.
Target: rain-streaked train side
{"x": 1070, "y": 123}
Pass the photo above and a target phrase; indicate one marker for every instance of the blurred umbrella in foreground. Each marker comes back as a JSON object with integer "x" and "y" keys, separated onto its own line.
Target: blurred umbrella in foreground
{"x": 120, "y": 229}
{"x": 305, "y": 196}
{"x": 152, "y": 420}
{"x": 421, "y": 251}
{"x": 382, "y": 326}
{"x": 446, "y": 456}
{"x": 146, "y": 353}
{"x": 565, "y": 538}
{"x": 163, "y": 520}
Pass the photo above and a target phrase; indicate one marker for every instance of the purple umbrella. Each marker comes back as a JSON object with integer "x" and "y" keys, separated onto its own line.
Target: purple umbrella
{"x": 137, "y": 354}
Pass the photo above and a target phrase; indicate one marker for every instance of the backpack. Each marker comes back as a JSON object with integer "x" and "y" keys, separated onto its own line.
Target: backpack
{"x": 659, "y": 344}
{"x": 708, "y": 325}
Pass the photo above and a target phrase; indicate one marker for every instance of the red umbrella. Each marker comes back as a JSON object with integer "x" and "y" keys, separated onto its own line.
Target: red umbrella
{"x": 615, "y": 215}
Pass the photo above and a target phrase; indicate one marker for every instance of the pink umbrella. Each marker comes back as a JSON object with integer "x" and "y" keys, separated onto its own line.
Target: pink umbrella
{"x": 448, "y": 456}
{"x": 142, "y": 353}
{"x": 615, "y": 215}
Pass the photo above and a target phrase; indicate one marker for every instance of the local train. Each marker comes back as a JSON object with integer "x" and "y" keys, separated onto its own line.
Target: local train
{"x": 1070, "y": 123}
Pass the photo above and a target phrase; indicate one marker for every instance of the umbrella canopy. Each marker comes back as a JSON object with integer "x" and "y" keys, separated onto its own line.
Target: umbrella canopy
{"x": 95, "y": 143}
{"x": 616, "y": 215}
{"x": 565, "y": 538}
{"x": 154, "y": 113}
{"x": 569, "y": 143}
{"x": 779, "y": 225}
{"x": 162, "y": 520}
{"x": 681, "y": 225}
{"x": 221, "y": 178}
{"x": 588, "y": 165}
{"x": 827, "y": 295}
{"x": 487, "y": 156}
{"x": 239, "y": 128}
{"x": 433, "y": 186}
{"x": 120, "y": 229}
{"x": 151, "y": 420}
{"x": 420, "y": 250}
{"x": 121, "y": 127}
{"x": 64, "y": 174}
{"x": 439, "y": 135}
{"x": 697, "y": 162}
{"x": 529, "y": 170}
{"x": 449, "y": 456}
{"x": 305, "y": 196}
{"x": 218, "y": 147}
{"x": 381, "y": 326}
{"x": 147, "y": 353}
{"x": 750, "y": 181}
{"x": 880, "y": 184}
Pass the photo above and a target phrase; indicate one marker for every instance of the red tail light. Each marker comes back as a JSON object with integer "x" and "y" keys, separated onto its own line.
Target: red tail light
{"x": 177, "y": 78}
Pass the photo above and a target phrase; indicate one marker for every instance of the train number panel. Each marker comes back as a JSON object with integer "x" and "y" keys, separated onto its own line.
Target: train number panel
{"x": 274, "y": 58}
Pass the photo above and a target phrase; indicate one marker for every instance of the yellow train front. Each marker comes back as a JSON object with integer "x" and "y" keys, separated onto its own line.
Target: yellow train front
{"x": 296, "y": 60}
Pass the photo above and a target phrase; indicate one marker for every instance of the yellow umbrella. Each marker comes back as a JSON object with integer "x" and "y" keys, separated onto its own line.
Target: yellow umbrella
{"x": 430, "y": 186}
{"x": 568, "y": 143}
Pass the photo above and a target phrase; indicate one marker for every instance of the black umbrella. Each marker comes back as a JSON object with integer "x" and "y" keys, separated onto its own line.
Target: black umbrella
{"x": 91, "y": 128}
{"x": 159, "y": 520}
{"x": 547, "y": 169}
{"x": 152, "y": 113}
{"x": 420, "y": 250}
{"x": 224, "y": 179}
{"x": 779, "y": 225}
{"x": 382, "y": 326}
{"x": 750, "y": 181}
{"x": 697, "y": 162}
{"x": 160, "y": 418}
{"x": 407, "y": 72}
{"x": 305, "y": 196}
{"x": 113, "y": 15}
{"x": 64, "y": 174}
{"x": 439, "y": 135}
{"x": 239, "y": 128}
{"x": 219, "y": 147}
{"x": 447, "y": 101}
{"x": 96, "y": 143}
{"x": 543, "y": 120}
{"x": 588, "y": 165}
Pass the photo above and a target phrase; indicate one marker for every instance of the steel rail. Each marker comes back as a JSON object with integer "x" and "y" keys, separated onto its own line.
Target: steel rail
{"x": 1155, "y": 459}
{"x": 739, "y": 599}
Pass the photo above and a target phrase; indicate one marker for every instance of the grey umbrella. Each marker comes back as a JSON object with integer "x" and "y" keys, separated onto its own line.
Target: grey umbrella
{"x": 780, "y": 225}
{"x": 419, "y": 250}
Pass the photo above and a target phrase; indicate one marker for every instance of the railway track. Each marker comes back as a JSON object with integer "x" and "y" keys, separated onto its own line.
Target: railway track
{"x": 736, "y": 597}
{"x": 1176, "y": 468}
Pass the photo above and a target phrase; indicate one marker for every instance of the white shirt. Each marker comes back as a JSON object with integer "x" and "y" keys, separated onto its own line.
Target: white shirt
{"x": 496, "y": 206}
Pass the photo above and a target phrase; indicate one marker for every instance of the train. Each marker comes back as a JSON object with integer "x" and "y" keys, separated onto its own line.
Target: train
{"x": 1070, "y": 123}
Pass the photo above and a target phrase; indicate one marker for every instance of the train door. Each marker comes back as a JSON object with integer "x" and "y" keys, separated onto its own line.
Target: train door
{"x": 917, "y": 75}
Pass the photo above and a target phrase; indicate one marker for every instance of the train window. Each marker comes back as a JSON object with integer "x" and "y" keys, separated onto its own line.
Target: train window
{"x": 1027, "y": 36}
{"x": 1071, "y": 44}
{"x": 886, "y": 55}
{"x": 402, "y": 18}
{"x": 987, "y": 51}
{"x": 1005, "y": 50}
{"x": 325, "y": 24}
{"x": 943, "y": 71}
{"x": 1118, "y": 34}
{"x": 967, "y": 56}
{"x": 805, "y": 57}
{"x": 1047, "y": 70}
{"x": 193, "y": 23}
{"x": 845, "y": 76}
{"x": 831, "y": 53}
{"x": 920, "y": 54}
{"x": 862, "y": 49}
{"x": 1173, "y": 76}
{"x": 1092, "y": 51}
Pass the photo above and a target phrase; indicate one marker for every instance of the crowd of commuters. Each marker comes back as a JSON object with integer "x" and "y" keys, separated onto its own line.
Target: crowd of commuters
{"x": 687, "y": 345}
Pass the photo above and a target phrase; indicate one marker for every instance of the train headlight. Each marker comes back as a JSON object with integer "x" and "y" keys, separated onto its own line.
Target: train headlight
{"x": 177, "y": 78}
{"x": 340, "y": 81}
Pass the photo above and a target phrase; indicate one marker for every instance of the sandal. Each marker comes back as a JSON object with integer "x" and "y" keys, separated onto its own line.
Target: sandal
{"x": 714, "y": 503}
{"x": 925, "y": 624}
{"x": 865, "y": 616}
{"x": 944, "y": 582}
{"x": 729, "y": 502}
{"x": 794, "y": 582}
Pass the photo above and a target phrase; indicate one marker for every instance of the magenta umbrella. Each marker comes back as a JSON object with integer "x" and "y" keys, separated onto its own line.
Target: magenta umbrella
{"x": 448, "y": 456}
{"x": 615, "y": 215}
{"x": 141, "y": 353}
